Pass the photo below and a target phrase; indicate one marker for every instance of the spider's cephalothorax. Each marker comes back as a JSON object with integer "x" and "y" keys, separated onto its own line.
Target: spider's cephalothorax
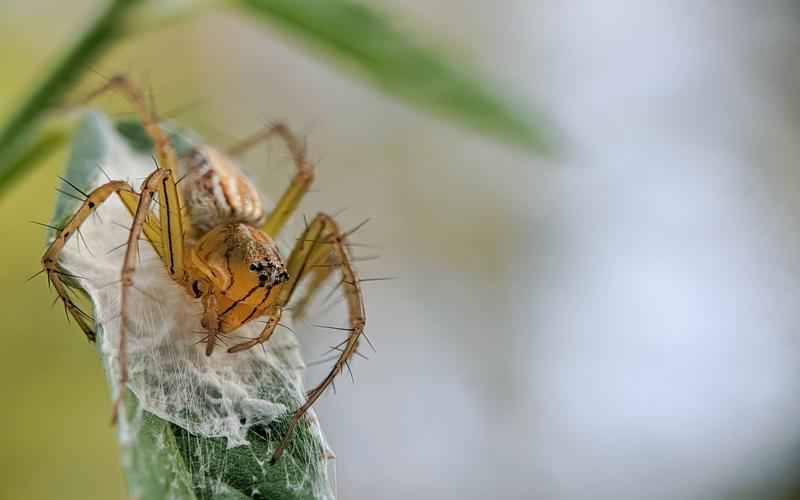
{"x": 240, "y": 266}
{"x": 217, "y": 242}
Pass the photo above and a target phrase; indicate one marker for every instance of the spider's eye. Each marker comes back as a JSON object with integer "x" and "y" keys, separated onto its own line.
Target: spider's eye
{"x": 253, "y": 267}
{"x": 284, "y": 276}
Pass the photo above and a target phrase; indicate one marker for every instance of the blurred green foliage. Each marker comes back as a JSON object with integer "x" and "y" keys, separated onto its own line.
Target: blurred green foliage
{"x": 365, "y": 41}
{"x": 19, "y": 140}
{"x": 351, "y": 33}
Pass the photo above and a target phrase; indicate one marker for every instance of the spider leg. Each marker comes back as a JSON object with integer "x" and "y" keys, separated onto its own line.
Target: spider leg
{"x": 50, "y": 258}
{"x": 320, "y": 273}
{"x": 151, "y": 227}
{"x": 300, "y": 183}
{"x": 325, "y": 264}
{"x": 170, "y": 216}
{"x": 127, "y": 88}
{"x": 266, "y": 332}
{"x": 150, "y": 187}
{"x": 211, "y": 322}
{"x": 321, "y": 233}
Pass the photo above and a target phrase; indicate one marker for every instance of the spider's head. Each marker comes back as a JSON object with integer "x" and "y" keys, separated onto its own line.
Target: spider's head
{"x": 237, "y": 260}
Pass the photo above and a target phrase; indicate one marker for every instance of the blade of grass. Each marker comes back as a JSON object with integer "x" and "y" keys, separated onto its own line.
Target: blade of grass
{"x": 17, "y": 136}
{"x": 365, "y": 41}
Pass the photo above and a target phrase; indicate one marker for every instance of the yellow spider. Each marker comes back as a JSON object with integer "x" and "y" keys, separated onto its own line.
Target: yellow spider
{"x": 216, "y": 242}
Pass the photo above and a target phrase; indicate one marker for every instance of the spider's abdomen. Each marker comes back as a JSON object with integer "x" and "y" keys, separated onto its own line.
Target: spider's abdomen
{"x": 216, "y": 192}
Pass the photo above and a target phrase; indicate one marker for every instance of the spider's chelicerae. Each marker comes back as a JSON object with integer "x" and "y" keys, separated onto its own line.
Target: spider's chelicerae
{"x": 216, "y": 242}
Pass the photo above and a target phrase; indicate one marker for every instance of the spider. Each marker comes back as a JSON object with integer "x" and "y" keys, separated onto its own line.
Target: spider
{"x": 217, "y": 242}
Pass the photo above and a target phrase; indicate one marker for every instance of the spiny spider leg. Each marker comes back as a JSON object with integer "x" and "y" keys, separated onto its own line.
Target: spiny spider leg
{"x": 128, "y": 89}
{"x": 170, "y": 216}
{"x": 150, "y": 187}
{"x": 212, "y": 322}
{"x": 323, "y": 231}
{"x": 50, "y": 257}
{"x": 151, "y": 228}
{"x": 325, "y": 264}
{"x": 320, "y": 274}
{"x": 273, "y": 318}
{"x": 300, "y": 183}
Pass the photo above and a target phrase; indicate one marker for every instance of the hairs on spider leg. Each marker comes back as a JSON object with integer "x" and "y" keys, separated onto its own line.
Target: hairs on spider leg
{"x": 340, "y": 348}
{"x": 48, "y": 226}
{"x": 73, "y": 186}
{"x": 367, "y": 280}
{"x": 69, "y": 195}
{"x": 352, "y": 259}
{"x": 288, "y": 328}
{"x": 369, "y": 343}
{"x": 352, "y": 244}
{"x": 100, "y": 167}
{"x": 67, "y": 302}
{"x": 68, "y": 275}
{"x": 81, "y": 238}
{"x": 37, "y": 273}
{"x": 356, "y": 228}
{"x": 66, "y": 312}
{"x": 349, "y": 370}
{"x": 55, "y": 300}
{"x": 339, "y": 328}
{"x": 75, "y": 306}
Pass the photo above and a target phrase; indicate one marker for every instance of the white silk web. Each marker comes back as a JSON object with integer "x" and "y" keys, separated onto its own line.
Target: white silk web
{"x": 221, "y": 396}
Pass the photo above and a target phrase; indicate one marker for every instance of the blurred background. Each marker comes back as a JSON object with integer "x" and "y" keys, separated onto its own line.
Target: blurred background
{"x": 617, "y": 322}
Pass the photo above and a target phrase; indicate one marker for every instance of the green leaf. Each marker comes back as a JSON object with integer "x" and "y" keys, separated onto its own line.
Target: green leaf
{"x": 18, "y": 135}
{"x": 366, "y": 41}
{"x": 161, "y": 459}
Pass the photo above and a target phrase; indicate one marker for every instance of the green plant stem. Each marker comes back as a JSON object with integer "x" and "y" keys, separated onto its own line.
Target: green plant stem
{"x": 18, "y": 133}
